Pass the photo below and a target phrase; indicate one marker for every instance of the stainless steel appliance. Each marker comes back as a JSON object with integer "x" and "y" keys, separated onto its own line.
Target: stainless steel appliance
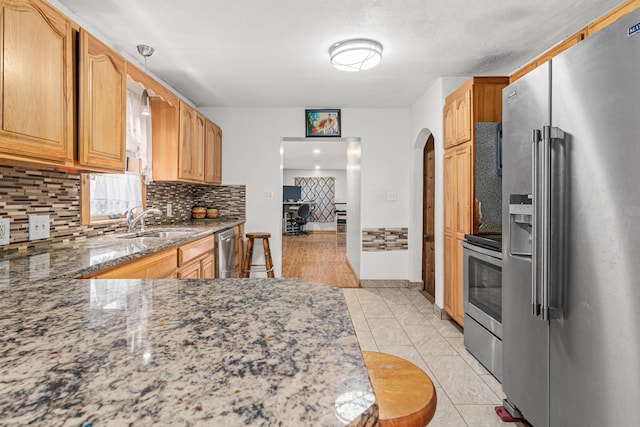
{"x": 483, "y": 299}
{"x": 571, "y": 227}
{"x": 226, "y": 254}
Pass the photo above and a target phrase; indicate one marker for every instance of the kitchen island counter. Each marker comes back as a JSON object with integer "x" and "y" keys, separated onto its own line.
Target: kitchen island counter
{"x": 180, "y": 352}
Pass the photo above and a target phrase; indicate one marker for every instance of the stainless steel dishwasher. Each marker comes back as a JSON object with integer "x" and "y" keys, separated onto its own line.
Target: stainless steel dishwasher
{"x": 226, "y": 250}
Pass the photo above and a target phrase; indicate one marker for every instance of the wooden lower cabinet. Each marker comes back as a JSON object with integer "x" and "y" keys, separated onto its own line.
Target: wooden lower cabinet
{"x": 193, "y": 260}
{"x": 155, "y": 266}
{"x": 458, "y": 211}
{"x": 196, "y": 260}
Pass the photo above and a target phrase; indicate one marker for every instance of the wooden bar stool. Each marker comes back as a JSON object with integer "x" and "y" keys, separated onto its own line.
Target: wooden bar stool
{"x": 405, "y": 394}
{"x": 248, "y": 256}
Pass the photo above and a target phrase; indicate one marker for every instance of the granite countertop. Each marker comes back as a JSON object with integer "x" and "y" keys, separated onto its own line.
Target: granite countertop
{"x": 172, "y": 352}
{"x": 81, "y": 257}
{"x": 180, "y": 352}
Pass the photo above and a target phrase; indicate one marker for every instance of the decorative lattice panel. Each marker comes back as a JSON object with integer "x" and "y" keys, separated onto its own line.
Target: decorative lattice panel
{"x": 323, "y": 191}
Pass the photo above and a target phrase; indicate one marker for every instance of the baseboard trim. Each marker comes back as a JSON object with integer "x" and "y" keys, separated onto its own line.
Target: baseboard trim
{"x": 322, "y": 231}
{"x": 369, "y": 283}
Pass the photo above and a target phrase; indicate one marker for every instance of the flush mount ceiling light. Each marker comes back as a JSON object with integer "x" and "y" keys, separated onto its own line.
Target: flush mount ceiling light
{"x": 145, "y": 101}
{"x": 355, "y": 54}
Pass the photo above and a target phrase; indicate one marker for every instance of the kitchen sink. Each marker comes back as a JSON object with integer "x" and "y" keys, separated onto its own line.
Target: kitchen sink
{"x": 168, "y": 234}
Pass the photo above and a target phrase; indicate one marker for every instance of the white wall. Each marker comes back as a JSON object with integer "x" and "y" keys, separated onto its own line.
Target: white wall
{"x": 288, "y": 178}
{"x": 426, "y": 119}
{"x": 251, "y": 156}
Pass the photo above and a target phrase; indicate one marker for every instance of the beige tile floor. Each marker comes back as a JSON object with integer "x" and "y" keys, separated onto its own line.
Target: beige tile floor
{"x": 402, "y": 322}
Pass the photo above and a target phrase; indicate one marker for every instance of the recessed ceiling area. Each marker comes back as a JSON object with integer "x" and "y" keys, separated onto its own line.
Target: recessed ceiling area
{"x": 256, "y": 53}
{"x": 307, "y": 154}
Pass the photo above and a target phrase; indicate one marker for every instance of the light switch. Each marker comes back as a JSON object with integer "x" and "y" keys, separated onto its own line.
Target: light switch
{"x": 392, "y": 196}
{"x": 268, "y": 195}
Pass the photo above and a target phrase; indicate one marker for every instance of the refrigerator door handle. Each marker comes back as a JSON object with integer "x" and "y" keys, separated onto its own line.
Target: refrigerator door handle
{"x": 549, "y": 135}
{"x": 535, "y": 303}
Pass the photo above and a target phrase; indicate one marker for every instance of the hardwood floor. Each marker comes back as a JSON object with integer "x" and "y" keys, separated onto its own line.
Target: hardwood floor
{"x": 319, "y": 258}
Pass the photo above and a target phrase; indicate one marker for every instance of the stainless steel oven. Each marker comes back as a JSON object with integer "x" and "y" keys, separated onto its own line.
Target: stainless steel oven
{"x": 483, "y": 300}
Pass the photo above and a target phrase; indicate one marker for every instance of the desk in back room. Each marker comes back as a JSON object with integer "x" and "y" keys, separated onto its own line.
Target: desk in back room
{"x": 289, "y": 209}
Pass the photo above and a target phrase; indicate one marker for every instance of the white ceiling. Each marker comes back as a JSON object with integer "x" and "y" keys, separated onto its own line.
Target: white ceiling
{"x": 274, "y": 53}
{"x": 307, "y": 154}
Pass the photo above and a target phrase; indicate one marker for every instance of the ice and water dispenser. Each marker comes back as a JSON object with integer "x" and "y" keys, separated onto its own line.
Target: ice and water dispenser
{"x": 520, "y": 224}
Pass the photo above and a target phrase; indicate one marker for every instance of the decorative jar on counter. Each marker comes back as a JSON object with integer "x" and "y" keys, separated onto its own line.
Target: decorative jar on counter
{"x": 212, "y": 212}
{"x": 198, "y": 212}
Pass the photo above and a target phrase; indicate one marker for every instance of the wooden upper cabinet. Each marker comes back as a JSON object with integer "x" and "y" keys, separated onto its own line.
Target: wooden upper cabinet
{"x": 462, "y": 114}
{"x": 37, "y": 91}
{"x": 103, "y": 88}
{"x": 212, "y": 153}
{"x": 449, "y": 126}
{"x": 191, "y": 145}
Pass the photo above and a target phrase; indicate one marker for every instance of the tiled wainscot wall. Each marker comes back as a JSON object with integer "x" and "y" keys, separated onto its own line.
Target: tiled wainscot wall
{"x": 30, "y": 191}
{"x": 385, "y": 239}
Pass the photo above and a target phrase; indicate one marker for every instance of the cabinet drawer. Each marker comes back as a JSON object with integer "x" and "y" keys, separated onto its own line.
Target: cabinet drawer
{"x": 193, "y": 250}
{"x": 154, "y": 266}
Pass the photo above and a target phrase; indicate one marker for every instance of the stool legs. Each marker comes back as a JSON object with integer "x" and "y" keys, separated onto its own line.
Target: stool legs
{"x": 248, "y": 257}
{"x": 267, "y": 258}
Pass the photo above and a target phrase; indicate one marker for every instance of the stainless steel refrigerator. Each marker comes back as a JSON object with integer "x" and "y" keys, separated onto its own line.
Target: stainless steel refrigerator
{"x": 571, "y": 235}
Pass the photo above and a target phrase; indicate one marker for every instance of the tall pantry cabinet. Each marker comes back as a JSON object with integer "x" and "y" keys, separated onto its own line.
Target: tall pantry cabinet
{"x": 478, "y": 100}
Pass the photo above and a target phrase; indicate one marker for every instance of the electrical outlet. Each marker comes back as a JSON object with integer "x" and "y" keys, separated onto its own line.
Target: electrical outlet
{"x": 38, "y": 227}
{"x": 4, "y": 231}
{"x": 268, "y": 195}
{"x": 169, "y": 210}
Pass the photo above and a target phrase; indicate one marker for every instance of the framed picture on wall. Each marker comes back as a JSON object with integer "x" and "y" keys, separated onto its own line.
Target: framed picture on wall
{"x": 323, "y": 123}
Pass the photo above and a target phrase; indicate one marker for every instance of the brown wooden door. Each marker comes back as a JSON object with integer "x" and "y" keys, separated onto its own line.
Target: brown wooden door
{"x": 428, "y": 205}
{"x": 102, "y": 106}
{"x": 37, "y": 91}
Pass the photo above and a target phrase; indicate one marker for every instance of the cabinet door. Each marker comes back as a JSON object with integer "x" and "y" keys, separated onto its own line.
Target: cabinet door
{"x": 208, "y": 267}
{"x": 458, "y": 284}
{"x": 198, "y": 149}
{"x": 37, "y": 92}
{"x": 463, "y": 196}
{"x": 191, "y": 271}
{"x": 212, "y": 153}
{"x": 450, "y": 186}
{"x": 463, "y": 117}
{"x": 102, "y": 106}
{"x": 449, "y": 126}
{"x": 449, "y": 274}
{"x": 191, "y": 145}
{"x": 186, "y": 168}
{"x": 154, "y": 266}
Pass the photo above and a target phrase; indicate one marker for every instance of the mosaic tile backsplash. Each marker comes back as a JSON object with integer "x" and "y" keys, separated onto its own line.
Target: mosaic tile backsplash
{"x": 30, "y": 191}
{"x": 385, "y": 239}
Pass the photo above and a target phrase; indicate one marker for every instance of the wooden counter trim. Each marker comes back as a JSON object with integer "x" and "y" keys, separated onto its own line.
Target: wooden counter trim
{"x": 406, "y": 395}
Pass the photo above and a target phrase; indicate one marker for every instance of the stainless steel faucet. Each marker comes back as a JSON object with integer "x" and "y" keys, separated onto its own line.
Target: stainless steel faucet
{"x": 131, "y": 221}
